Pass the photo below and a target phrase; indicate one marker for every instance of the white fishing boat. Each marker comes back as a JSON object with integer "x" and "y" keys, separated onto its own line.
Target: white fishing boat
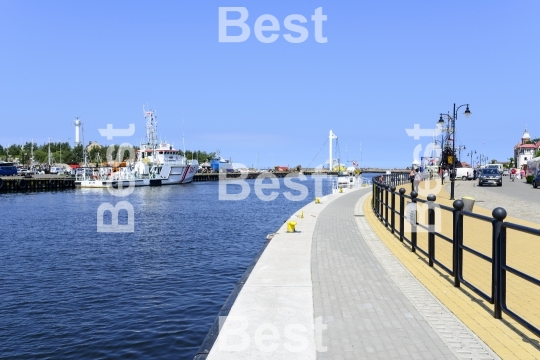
{"x": 157, "y": 163}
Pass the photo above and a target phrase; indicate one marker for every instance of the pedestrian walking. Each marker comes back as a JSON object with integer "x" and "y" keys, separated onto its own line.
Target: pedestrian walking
{"x": 522, "y": 173}
{"x": 411, "y": 178}
{"x": 416, "y": 181}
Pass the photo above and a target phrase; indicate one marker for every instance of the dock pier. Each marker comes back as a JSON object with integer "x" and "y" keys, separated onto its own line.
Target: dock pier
{"x": 35, "y": 183}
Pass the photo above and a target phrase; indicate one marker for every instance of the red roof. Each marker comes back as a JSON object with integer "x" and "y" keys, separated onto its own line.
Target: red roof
{"x": 527, "y": 146}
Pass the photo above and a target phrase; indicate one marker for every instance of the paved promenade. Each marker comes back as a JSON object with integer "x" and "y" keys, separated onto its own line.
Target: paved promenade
{"x": 506, "y": 337}
{"x": 369, "y": 313}
{"x": 334, "y": 291}
{"x": 518, "y": 198}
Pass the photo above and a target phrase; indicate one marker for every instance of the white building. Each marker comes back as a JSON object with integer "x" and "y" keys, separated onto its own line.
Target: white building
{"x": 523, "y": 151}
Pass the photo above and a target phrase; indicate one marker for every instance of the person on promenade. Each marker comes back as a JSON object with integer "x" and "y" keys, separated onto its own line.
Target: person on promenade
{"x": 411, "y": 178}
{"x": 416, "y": 181}
{"x": 522, "y": 173}
{"x": 513, "y": 174}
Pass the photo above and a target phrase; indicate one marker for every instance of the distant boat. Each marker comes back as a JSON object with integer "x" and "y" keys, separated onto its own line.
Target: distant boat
{"x": 220, "y": 164}
{"x": 157, "y": 164}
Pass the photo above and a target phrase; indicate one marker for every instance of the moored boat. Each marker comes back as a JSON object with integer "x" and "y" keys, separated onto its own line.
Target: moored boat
{"x": 157, "y": 163}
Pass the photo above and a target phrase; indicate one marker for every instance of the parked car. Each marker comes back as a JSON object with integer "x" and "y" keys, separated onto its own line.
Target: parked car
{"x": 536, "y": 180}
{"x": 506, "y": 172}
{"x": 489, "y": 176}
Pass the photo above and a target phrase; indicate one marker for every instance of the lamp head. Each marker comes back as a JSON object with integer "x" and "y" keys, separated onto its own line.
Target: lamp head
{"x": 441, "y": 121}
{"x": 467, "y": 111}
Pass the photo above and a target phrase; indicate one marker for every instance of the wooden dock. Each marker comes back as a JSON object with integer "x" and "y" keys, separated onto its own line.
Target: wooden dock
{"x": 35, "y": 183}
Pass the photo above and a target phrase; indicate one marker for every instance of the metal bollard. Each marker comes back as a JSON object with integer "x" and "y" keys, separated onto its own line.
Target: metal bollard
{"x": 291, "y": 226}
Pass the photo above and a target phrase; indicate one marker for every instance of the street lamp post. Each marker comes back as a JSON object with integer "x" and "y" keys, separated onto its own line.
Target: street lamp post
{"x": 471, "y": 155}
{"x": 453, "y": 119}
{"x": 440, "y": 123}
{"x": 461, "y": 147}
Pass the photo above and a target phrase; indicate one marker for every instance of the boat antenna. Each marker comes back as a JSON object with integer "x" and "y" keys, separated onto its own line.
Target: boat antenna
{"x": 183, "y": 143}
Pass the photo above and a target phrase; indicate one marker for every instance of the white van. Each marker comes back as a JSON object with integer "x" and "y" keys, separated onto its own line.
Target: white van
{"x": 499, "y": 167}
{"x": 464, "y": 173}
{"x": 56, "y": 170}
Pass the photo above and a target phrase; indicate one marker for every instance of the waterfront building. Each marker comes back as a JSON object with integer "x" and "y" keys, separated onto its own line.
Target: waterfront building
{"x": 92, "y": 145}
{"x": 525, "y": 150}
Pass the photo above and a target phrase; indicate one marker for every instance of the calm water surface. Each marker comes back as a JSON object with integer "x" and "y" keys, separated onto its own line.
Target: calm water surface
{"x": 67, "y": 291}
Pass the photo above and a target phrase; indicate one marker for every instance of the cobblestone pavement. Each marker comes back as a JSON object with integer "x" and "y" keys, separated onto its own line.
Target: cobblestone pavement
{"x": 367, "y": 314}
{"x": 519, "y": 199}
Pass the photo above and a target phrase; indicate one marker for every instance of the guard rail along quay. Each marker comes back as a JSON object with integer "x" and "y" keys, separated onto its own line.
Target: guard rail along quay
{"x": 501, "y": 246}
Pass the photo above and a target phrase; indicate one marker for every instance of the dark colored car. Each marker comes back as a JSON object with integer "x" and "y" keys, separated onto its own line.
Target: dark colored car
{"x": 489, "y": 177}
{"x": 536, "y": 180}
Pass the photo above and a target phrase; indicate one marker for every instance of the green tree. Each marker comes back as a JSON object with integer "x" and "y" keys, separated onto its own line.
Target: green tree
{"x": 201, "y": 156}
{"x": 537, "y": 154}
{"x": 40, "y": 156}
{"x": 510, "y": 163}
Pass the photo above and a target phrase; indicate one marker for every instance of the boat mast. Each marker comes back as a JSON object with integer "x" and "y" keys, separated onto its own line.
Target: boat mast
{"x": 49, "y": 153}
{"x": 183, "y": 143}
{"x": 32, "y": 155}
{"x": 151, "y": 130}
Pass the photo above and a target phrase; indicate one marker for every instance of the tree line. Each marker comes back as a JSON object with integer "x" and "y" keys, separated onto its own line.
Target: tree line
{"x": 63, "y": 152}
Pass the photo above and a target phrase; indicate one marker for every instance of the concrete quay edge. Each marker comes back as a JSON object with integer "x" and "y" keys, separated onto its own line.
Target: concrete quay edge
{"x": 265, "y": 297}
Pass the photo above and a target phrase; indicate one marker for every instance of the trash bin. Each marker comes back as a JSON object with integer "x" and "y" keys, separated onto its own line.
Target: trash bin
{"x": 468, "y": 203}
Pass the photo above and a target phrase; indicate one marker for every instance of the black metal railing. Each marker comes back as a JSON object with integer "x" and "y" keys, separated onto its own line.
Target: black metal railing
{"x": 385, "y": 188}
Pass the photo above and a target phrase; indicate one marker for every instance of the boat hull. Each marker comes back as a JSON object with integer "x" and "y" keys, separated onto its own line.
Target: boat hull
{"x": 179, "y": 174}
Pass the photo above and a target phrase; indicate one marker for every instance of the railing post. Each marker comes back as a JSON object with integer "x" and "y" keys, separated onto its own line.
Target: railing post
{"x": 379, "y": 203}
{"x": 414, "y": 195}
{"x": 498, "y": 292}
{"x": 457, "y": 239}
{"x": 386, "y": 205}
{"x": 431, "y": 228}
{"x": 401, "y": 213}
{"x": 373, "y": 186}
{"x": 376, "y": 204}
{"x": 393, "y": 209}
{"x": 379, "y": 187}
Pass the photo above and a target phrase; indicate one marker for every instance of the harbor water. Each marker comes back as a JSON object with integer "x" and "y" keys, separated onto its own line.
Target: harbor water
{"x": 68, "y": 291}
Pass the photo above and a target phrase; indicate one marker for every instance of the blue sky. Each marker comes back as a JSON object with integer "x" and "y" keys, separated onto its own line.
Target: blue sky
{"x": 386, "y": 66}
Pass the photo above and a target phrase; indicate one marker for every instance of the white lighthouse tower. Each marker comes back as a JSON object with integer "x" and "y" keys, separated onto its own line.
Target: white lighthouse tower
{"x": 77, "y": 124}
